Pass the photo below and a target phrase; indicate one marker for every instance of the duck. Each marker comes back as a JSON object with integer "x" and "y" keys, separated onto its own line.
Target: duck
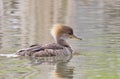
{"x": 60, "y": 48}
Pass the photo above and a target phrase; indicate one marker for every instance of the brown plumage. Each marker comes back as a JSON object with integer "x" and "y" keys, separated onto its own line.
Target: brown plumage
{"x": 59, "y": 49}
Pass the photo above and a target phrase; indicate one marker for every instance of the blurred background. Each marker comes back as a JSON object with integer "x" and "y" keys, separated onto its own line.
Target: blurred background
{"x": 27, "y": 22}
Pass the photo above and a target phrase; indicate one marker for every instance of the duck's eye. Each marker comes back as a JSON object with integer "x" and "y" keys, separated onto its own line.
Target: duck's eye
{"x": 70, "y": 33}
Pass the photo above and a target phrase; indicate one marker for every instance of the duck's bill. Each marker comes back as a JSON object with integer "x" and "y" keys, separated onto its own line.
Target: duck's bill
{"x": 75, "y": 37}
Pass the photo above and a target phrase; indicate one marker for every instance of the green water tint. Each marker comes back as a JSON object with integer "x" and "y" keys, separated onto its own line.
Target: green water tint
{"x": 96, "y": 65}
{"x": 27, "y": 22}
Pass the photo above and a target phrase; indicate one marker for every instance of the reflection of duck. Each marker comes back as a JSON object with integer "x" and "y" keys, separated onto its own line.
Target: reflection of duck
{"x": 60, "y": 48}
{"x": 63, "y": 71}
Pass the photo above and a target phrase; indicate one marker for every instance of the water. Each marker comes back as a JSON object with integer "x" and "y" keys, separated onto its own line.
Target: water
{"x": 26, "y": 22}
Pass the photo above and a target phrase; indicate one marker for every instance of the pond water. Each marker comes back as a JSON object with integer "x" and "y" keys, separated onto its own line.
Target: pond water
{"x": 26, "y": 22}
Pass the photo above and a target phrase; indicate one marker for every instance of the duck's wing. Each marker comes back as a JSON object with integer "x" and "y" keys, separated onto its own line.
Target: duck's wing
{"x": 38, "y": 48}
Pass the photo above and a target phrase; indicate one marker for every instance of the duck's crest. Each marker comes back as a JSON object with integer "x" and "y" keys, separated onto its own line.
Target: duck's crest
{"x": 56, "y": 30}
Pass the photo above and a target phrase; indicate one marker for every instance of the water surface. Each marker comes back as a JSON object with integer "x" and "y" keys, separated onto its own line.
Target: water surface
{"x": 26, "y": 22}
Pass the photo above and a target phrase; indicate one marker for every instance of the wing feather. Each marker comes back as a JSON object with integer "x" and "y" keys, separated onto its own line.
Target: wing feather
{"x": 39, "y": 48}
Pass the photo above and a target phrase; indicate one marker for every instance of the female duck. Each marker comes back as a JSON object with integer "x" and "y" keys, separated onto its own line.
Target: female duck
{"x": 59, "y": 49}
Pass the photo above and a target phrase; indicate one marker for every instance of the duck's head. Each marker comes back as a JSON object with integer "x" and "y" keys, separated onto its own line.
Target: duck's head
{"x": 62, "y": 32}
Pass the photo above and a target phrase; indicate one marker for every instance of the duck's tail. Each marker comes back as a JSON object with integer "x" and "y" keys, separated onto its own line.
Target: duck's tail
{"x": 9, "y": 55}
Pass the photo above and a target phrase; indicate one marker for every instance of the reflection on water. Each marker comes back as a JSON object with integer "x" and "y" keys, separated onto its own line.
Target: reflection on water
{"x": 64, "y": 71}
{"x": 26, "y": 22}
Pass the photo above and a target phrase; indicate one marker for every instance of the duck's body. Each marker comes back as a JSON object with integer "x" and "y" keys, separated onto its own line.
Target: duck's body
{"x": 60, "y": 49}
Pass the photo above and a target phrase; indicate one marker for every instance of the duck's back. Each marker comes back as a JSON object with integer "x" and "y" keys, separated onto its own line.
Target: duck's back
{"x": 47, "y": 50}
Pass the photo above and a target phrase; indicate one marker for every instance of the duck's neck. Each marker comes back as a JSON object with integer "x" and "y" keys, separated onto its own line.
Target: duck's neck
{"x": 62, "y": 42}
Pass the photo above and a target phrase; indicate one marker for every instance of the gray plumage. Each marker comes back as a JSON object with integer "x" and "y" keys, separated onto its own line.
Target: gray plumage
{"x": 60, "y": 49}
{"x": 47, "y": 50}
